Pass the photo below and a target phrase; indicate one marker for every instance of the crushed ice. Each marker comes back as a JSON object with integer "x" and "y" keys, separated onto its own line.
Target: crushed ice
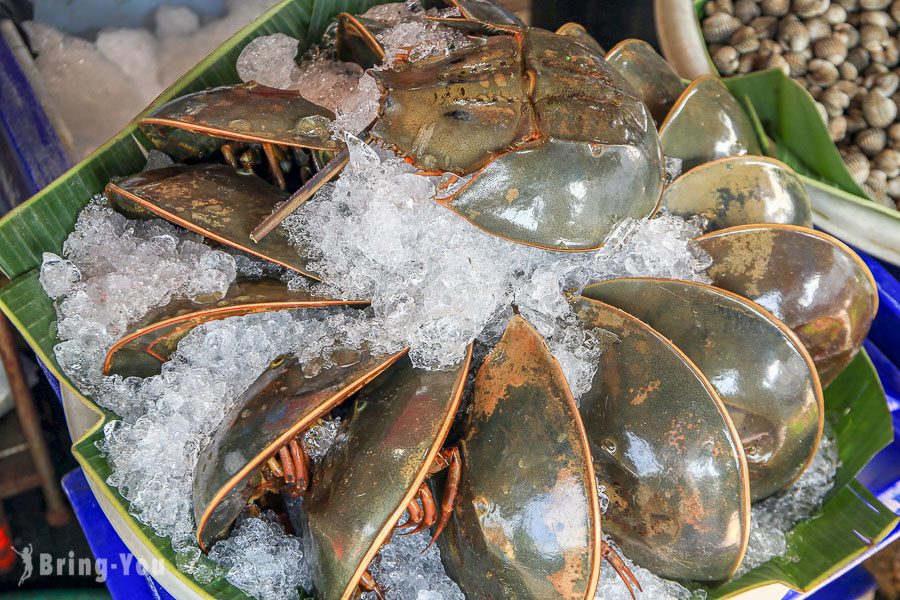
{"x": 262, "y": 560}
{"x": 435, "y": 282}
{"x": 98, "y": 86}
{"x": 773, "y": 517}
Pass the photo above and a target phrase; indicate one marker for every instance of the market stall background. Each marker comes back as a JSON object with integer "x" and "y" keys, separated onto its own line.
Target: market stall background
{"x": 34, "y": 157}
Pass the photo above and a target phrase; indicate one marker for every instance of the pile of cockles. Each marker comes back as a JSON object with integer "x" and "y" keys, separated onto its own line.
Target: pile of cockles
{"x": 845, "y": 53}
{"x": 436, "y": 311}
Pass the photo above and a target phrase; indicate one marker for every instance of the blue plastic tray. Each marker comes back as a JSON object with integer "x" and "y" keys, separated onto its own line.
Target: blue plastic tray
{"x": 31, "y": 151}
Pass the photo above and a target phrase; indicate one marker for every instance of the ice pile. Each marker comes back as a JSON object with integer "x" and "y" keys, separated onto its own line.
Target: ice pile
{"x": 262, "y": 560}
{"x": 775, "y": 516}
{"x": 436, "y": 282}
{"x": 611, "y": 586}
{"x": 115, "y": 271}
{"x": 97, "y": 87}
{"x": 405, "y": 572}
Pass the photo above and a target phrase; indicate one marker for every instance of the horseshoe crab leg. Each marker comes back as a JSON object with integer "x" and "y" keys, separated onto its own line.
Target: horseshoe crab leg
{"x": 621, "y": 569}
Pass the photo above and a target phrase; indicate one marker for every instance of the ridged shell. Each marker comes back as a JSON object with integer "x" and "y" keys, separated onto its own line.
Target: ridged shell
{"x": 891, "y": 52}
{"x": 876, "y": 17}
{"x": 835, "y": 101}
{"x": 796, "y": 62}
{"x": 878, "y": 110}
{"x": 776, "y": 8}
{"x": 895, "y": 10}
{"x": 837, "y": 128}
{"x": 855, "y": 120}
{"x": 888, "y": 161}
{"x": 746, "y": 10}
{"x": 858, "y": 165}
{"x": 870, "y": 141}
{"x": 765, "y": 26}
{"x": 877, "y": 182}
{"x": 793, "y": 34}
{"x": 894, "y": 133}
{"x": 848, "y": 33}
{"x": 822, "y": 72}
{"x": 835, "y": 14}
{"x": 726, "y": 60}
{"x": 746, "y": 63}
{"x": 818, "y": 28}
{"x": 893, "y": 188}
{"x": 886, "y": 84}
{"x": 872, "y": 36}
{"x": 768, "y": 48}
{"x": 874, "y": 4}
{"x": 810, "y": 8}
{"x": 777, "y": 61}
{"x": 848, "y": 71}
{"x": 832, "y": 48}
{"x": 849, "y": 5}
{"x": 719, "y": 27}
{"x": 744, "y": 40}
{"x": 823, "y": 114}
{"x": 860, "y": 58}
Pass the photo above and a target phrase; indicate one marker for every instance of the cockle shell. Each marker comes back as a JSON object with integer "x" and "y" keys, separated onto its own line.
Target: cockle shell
{"x": 744, "y": 40}
{"x": 746, "y": 10}
{"x": 886, "y": 84}
{"x": 777, "y": 61}
{"x": 888, "y": 161}
{"x": 872, "y": 36}
{"x": 835, "y": 14}
{"x": 874, "y": 4}
{"x": 878, "y": 110}
{"x": 793, "y": 34}
{"x": 832, "y": 48}
{"x": 871, "y": 141}
{"x": 835, "y": 101}
{"x": 776, "y": 8}
{"x": 810, "y": 8}
{"x": 837, "y": 128}
{"x": 818, "y": 28}
{"x": 822, "y": 72}
{"x": 858, "y": 165}
{"x": 860, "y": 57}
{"x": 848, "y": 32}
{"x": 848, "y": 71}
{"x": 719, "y": 27}
{"x": 765, "y": 26}
{"x": 796, "y": 62}
{"x": 726, "y": 60}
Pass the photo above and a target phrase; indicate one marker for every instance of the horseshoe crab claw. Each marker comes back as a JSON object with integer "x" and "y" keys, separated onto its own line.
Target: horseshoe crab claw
{"x": 152, "y": 340}
{"x": 527, "y": 519}
{"x": 280, "y": 405}
{"x": 740, "y": 190}
{"x": 706, "y": 124}
{"x": 758, "y": 366}
{"x": 216, "y": 201}
{"x": 375, "y": 469}
{"x": 813, "y": 282}
{"x": 667, "y": 452}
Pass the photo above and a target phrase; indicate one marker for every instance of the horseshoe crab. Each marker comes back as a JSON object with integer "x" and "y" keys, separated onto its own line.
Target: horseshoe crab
{"x": 722, "y": 398}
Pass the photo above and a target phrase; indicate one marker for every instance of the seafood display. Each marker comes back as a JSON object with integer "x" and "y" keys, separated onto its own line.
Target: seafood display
{"x": 706, "y": 396}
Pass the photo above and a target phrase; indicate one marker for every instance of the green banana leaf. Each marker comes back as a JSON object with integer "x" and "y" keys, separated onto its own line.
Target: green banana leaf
{"x": 796, "y": 134}
{"x": 855, "y": 402}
